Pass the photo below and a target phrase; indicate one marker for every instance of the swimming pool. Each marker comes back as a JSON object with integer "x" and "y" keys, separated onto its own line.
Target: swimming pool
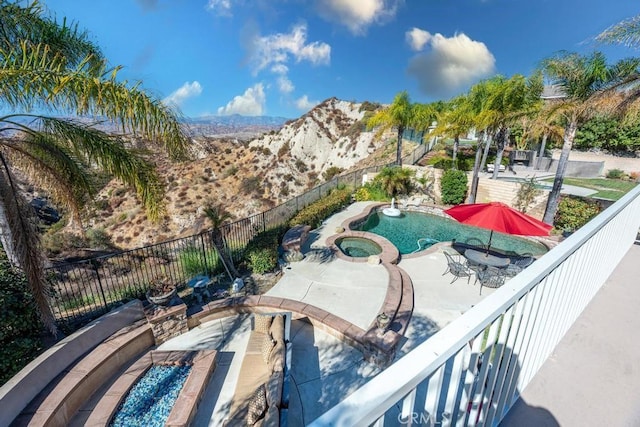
{"x": 405, "y": 231}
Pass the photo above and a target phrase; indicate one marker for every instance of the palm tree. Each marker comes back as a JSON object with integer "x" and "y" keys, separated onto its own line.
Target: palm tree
{"x": 49, "y": 69}
{"x": 456, "y": 120}
{"x": 218, "y": 215}
{"x": 626, "y": 32}
{"x": 591, "y": 87}
{"x": 509, "y": 100}
{"x": 399, "y": 115}
{"x": 395, "y": 180}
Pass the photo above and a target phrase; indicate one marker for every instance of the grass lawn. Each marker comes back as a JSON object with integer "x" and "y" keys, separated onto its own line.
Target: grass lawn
{"x": 610, "y": 189}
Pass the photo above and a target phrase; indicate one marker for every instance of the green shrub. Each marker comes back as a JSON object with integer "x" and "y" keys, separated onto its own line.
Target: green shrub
{"x": 250, "y": 184}
{"x": 440, "y": 162}
{"x": 263, "y": 260}
{"x": 19, "y": 323}
{"x": 331, "y": 172}
{"x": 316, "y": 212}
{"x": 262, "y": 251}
{"x": 616, "y": 174}
{"x": 99, "y": 238}
{"x": 453, "y": 187}
{"x": 574, "y": 212}
{"x": 195, "y": 261}
{"x": 528, "y": 190}
{"x": 370, "y": 191}
{"x": 56, "y": 243}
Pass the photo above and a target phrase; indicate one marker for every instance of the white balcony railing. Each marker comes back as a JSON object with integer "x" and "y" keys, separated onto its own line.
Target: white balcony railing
{"x": 472, "y": 371}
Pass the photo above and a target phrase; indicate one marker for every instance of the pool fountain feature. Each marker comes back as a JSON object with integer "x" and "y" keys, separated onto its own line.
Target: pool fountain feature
{"x": 392, "y": 211}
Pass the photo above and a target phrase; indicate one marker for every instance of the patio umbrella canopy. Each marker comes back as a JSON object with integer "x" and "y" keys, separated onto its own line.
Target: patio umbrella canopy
{"x": 497, "y": 216}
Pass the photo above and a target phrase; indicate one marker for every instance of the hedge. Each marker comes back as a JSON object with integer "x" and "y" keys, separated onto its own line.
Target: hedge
{"x": 318, "y": 211}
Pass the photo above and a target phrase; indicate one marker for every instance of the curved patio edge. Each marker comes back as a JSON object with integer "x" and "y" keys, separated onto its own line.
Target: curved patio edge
{"x": 377, "y": 348}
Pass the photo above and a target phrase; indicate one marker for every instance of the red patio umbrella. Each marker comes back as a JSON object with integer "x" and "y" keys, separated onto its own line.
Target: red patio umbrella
{"x": 497, "y": 216}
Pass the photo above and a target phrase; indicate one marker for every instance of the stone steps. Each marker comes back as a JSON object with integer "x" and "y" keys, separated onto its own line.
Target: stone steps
{"x": 61, "y": 402}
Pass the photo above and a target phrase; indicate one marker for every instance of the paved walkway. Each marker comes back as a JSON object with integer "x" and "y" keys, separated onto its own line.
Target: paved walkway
{"x": 593, "y": 376}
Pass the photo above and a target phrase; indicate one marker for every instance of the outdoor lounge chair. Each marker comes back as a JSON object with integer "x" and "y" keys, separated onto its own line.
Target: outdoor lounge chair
{"x": 490, "y": 277}
{"x": 457, "y": 268}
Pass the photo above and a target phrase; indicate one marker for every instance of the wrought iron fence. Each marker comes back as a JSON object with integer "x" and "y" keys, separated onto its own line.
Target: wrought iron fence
{"x": 84, "y": 290}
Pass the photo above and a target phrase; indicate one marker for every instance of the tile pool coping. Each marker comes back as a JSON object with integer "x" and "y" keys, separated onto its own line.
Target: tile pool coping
{"x": 184, "y": 409}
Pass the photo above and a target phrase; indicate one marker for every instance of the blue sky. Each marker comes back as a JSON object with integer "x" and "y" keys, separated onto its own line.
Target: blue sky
{"x": 281, "y": 57}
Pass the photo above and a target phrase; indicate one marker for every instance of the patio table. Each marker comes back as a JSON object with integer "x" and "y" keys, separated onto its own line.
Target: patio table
{"x": 484, "y": 258}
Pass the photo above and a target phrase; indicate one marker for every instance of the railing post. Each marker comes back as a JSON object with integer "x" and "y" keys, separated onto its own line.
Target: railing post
{"x": 104, "y": 298}
{"x": 264, "y": 222}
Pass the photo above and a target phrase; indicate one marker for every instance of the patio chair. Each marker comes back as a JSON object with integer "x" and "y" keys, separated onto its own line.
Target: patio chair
{"x": 457, "y": 268}
{"x": 475, "y": 243}
{"x": 490, "y": 277}
{"x": 518, "y": 265}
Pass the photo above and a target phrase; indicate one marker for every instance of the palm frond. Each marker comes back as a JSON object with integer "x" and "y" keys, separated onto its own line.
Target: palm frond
{"x": 31, "y": 77}
{"x": 626, "y": 32}
{"x": 29, "y": 23}
{"x": 109, "y": 154}
{"x": 18, "y": 227}
{"x": 48, "y": 165}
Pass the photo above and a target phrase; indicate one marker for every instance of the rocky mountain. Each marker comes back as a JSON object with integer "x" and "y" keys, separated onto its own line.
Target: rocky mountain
{"x": 246, "y": 177}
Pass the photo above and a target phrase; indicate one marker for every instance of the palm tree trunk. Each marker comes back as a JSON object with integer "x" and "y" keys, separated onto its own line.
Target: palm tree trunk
{"x": 501, "y": 142}
{"x": 6, "y": 237}
{"x": 485, "y": 153}
{"x": 542, "y": 148}
{"x": 399, "y": 146}
{"x": 227, "y": 263}
{"x": 456, "y": 144}
{"x": 554, "y": 196}
{"x": 476, "y": 169}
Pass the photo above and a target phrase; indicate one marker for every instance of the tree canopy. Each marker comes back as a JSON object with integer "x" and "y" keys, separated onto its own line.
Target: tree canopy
{"x": 56, "y": 85}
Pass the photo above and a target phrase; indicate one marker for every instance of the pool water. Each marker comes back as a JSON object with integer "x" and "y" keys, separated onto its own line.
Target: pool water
{"x": 150, "y": 400}
{"x": 405, "y": 231}
{"x": 358, "y": 247}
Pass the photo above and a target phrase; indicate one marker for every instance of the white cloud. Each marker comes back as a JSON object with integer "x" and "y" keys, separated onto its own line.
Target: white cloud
{"x": 186, "y": 91}
{"x": 285, "y": 85}
{"x": 220, "y": 7}
{"x": 277, "y": 49}
{"x": 304, "y": 104}
{"x": 280, "y": 69}
{"x": 451, "y": 64}
{"x": 250, "y": 103}
{"x": 417, "y": 38}
{"x": 357, "y": 15}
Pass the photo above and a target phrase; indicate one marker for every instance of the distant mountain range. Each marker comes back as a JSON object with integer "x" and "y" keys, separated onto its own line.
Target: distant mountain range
{"x": 235, "y": 125}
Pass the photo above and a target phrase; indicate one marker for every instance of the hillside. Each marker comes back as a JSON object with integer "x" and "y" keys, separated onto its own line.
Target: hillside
{"x": 245, "y": 177}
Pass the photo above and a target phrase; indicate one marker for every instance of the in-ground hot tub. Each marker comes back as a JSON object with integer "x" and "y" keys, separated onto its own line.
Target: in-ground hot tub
{"x": 358, "y": 247}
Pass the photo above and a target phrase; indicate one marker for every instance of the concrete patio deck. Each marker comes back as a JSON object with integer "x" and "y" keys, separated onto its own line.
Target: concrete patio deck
{"x": 325, "y": 369}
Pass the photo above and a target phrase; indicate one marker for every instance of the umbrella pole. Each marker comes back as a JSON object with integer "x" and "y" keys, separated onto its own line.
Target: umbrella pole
{"x": 489, "y": 245}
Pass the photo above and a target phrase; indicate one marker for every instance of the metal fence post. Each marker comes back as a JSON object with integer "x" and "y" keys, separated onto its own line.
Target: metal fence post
{"x": 104, "y": 298}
